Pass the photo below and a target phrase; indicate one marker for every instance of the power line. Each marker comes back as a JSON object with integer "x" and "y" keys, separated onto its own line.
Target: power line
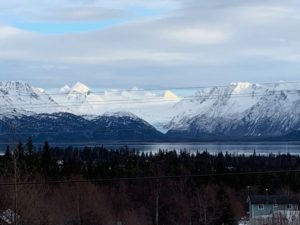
{"x": 166, "y": 88}
{"x": 145, "y": 100}
{"x": 149, "y": 178}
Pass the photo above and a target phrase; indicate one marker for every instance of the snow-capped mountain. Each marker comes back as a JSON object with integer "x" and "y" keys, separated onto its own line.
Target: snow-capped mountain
{"x": 155, "y": 108}
{"x": 18, "y": 98}
{"x": 79, "y": 99}
{"x": 241, "y": 109}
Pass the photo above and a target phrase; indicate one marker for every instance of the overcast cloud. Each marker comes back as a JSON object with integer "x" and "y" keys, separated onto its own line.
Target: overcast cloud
{"x": 158, "y": 43}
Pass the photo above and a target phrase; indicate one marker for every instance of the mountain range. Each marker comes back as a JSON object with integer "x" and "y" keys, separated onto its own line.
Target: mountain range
{"x": 78, "y": 113}
{"x": 240, "y": 109}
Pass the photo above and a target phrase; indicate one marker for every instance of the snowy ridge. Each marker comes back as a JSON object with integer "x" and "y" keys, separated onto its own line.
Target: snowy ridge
{"x": 119, "y": 114}
{"x": 20, "y": 98}
{"x": 241, "y": 109}
{"x": 226, "y": 102}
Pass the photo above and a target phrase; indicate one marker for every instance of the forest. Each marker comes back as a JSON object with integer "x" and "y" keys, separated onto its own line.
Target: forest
{"x": 96, "y": 185}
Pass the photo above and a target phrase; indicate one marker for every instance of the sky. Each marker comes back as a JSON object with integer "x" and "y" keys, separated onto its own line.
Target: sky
{"x": 149, "y": 43}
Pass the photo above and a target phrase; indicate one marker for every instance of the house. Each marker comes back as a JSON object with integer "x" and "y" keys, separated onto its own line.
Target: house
{"x": 272, "y": 209}
{"x": 265, "y": 205}
{"x": 277, "y": 218}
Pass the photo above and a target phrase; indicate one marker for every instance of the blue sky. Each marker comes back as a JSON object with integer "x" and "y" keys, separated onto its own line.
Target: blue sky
{"x": 158, "y": 43}
{"x": 63, "y": 28}
{"x": 57, "y": 27}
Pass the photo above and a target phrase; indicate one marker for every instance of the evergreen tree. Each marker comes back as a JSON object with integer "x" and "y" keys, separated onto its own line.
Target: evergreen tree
{"x": 20, "y": 151}
{"x": 46, "y": 159}
{"x": 226, "y": 212}
{"x": 7, "y": 155}
{"x": 20, "y": 159}
{"x": 29, "y": 145}
{"x": 32, "y": 160}
{"x": 7, "y": 163}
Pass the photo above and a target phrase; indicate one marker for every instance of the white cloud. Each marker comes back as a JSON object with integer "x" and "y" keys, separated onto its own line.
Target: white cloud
{"x": 77, "y": 14}
{"x": 286, "y": 54}
{"x": 127, "y": 56}
{"x": 197, "y": 40}
{"x": 7, "y": 32}
{"x": 77, "y": 10}
{"x": 198, "y": 35}
{"x": 263, "y": 14}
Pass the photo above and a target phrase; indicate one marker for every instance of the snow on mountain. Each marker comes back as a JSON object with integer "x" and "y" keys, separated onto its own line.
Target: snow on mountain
{"x": 41, "y": 90}
{"x": 65, "y": 89}
{"x": 239, "y": 109}
{"x": 170, "y": 96}
{"x": 152, "y": 107}
{"x": 217, "y": 102}
{"x": 277, "y": 113}
{"x": 79, "y": 88}
{"x": 20, "y": 98}
{"x": 119, "y": 114}
{"x": 79, "y": 99}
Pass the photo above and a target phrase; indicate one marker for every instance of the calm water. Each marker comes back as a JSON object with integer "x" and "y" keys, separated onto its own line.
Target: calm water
{"x": 246, "y": 148}
{"x": 216, "y": 147}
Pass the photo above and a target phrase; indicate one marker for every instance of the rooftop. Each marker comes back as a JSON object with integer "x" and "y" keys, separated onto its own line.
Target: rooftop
{"x": 272, "y": 199}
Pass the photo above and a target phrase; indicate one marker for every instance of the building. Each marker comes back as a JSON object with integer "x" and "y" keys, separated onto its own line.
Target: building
{"x": 264, "y": 205}
{"x": 273, "y": 209}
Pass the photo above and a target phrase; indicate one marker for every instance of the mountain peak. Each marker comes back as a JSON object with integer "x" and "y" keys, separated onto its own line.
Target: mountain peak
{"x": 80, "y": 88}
{"x": 17, "y": 87}
{"x": 40, "y": 90}
{"x": 240, "y": 86}
{"x": 169, "y": 95}
{"x": 65, "y": 89}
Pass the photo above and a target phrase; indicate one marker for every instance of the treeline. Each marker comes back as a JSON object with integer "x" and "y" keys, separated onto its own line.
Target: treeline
{"x": 216, "y": 197}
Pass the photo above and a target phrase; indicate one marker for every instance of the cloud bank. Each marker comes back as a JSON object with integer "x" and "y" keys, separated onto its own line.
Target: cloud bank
{"x": 149, "y": 43}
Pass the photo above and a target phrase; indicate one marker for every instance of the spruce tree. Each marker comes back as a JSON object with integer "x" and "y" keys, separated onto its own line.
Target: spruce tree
{"x": 226, "y": 215}
{"x": 46, "y": 159}
{"x": 29, "y": 145}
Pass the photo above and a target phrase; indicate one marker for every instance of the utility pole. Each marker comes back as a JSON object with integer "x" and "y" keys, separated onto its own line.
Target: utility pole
{"x": 157, "y": 202}
{"x": 15, "y": 159}
{"x": 78, "y": 204}
{"x": 16, "y": 189}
